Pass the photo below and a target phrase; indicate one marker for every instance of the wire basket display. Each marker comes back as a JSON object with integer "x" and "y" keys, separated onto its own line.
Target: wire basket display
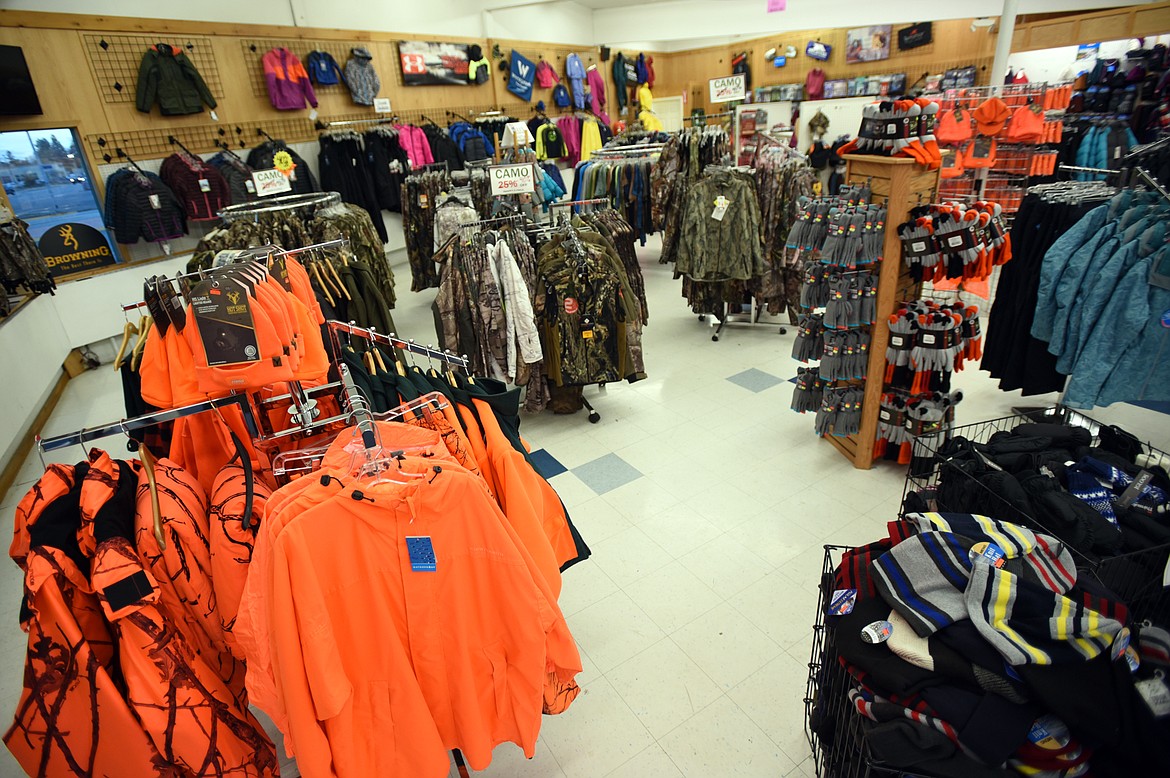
{"x": 1135, "y": 577}
{"x": 833, "y": 729}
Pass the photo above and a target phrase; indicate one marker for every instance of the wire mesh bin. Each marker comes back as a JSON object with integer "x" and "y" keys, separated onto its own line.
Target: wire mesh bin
{"x": 1135, "y": 577}
{"x": 833, "y": 728}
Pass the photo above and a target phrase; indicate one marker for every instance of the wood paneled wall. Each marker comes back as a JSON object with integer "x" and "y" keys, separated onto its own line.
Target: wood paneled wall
{"x": 91, "y": 86}
{"x": 954, "y": 45}
{"x": 1073, "y": 29}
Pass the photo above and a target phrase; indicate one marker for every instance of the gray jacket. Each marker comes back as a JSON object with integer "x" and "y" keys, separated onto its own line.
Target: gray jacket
{"x": 360, "y": 77}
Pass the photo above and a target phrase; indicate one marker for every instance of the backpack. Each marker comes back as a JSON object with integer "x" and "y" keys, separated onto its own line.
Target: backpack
{"x": 560, "y": 96}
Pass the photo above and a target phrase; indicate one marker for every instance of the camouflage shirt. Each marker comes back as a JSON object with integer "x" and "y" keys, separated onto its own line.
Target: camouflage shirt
{"x": 720, "y": 233}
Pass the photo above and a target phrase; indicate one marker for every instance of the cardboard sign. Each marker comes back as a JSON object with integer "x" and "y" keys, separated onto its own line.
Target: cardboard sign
{"x": 74, "y": 247}
{"x": 727, "y": 88}
{"x": 512, "y": 179}
{"x": 270, "y": 182}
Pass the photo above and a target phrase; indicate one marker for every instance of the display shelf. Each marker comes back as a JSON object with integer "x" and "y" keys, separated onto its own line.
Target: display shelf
{"x": 901, "y": 183}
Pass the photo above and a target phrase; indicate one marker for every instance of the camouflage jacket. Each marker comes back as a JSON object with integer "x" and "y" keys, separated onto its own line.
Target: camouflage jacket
{"x": 591, "y": 329}
{"x": 720, "y": 233}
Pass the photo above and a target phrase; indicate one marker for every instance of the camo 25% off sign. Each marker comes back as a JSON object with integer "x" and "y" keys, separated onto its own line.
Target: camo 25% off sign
{"x": 728, "y": 88}
{"x": 512, "y": 179}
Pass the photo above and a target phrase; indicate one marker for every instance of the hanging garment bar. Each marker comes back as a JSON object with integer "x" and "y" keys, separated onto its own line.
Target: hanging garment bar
{"x": 430, "y": 352}
{"x": 148, "y": 420}
{"x": 351, "y": 122}
{"x": 498, "y": 220}
{"x": 1152, "y": 182}
{"x": 282, "y": 203}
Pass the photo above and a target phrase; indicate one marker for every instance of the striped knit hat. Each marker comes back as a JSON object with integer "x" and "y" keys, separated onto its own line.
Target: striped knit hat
{"x": 924, "y": 577}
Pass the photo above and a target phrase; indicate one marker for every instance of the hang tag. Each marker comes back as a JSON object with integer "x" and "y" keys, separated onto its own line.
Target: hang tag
{"x": 422, "y": 554}
{"x": 424, "y": 202}
{"x": 1156, "y": 694}
{"x": 721, "y": 205}
{"x": 1049, "y": 732}
{"x": 877, "y": 632}
{"x": 842, "y": 602}
{"x": 1120, "y": 643}
{"x": 250, "y": 186}
{"x": 1166, "y": 319}
{"x": 1135, "y": 489}
{"x": 155, "y": 202}
{"x": 166, "y": 247}
{"x": 988, "y": 553}
{"x": 313, "y": 115}
{"x": 1132, "y": 659}
{"x": 204, "y": 185}
{"x": 1117, "y": 152}
{"x": 918, "y": 246}
{"x": 955, "y": 241}
{"x": 214, "y": 116}
{"x": 926, "y": 338}
{"x": 227, "y": 329}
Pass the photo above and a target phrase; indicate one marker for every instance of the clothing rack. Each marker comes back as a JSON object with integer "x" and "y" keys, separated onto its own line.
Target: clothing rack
{"x": 631, "y": 148}
{"x": 1152, "y": 182}
{"x": 436, "y": 165}
{"x": 281, "y": 203}
{"x": 498, "y": 219}
{"x": 349, "y": 122}
{"x": 393, "y": 341}
{"x": 695, "y": 119}
{"x": 569, "y": 203}
{"x": 148, "y": 420}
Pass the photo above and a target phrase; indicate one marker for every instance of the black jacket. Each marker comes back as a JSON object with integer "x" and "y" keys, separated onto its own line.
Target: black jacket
{"x": 261, "y": 158}
{"x": 345, "y": 169}
{"x": 167, "y": 75}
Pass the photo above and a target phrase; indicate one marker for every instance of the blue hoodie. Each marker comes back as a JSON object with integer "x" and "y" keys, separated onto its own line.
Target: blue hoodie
{"x": 575, "y": 71}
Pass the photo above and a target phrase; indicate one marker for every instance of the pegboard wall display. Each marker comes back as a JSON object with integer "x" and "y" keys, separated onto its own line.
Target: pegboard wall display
{"x": 115, "y": 60}
{"x": 255, "y": 49}
{"x": 200, "y": 139}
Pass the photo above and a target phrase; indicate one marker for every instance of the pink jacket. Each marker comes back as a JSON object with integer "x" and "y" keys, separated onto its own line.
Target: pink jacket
{"x": 570, "y": 128}
{"x": 414, "y": 142}
{"x": 596, "y": 93}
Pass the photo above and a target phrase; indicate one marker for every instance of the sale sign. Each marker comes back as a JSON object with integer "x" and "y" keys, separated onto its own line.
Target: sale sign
{"x": 270, "y": 182}
{"x": 728, "y": 88}
{"x": 512, "y": 179}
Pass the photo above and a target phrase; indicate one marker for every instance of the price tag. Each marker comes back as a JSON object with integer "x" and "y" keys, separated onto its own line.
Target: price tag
{"x": 250, "y": 187}
{"x": 204, "y": 185}
{"x": 1120, "y": 643}
{"x": 214, "y": 116}
{"x": 166, "y": 247}
{"x": 877, "y": 632}
{"x": 1049, "y": 733}
{"x": 721, "y": 206}
{"x": 955, "y": 241}
{"x": 927, "y": 339}
{"x": 842, "y": 602}
{"x": 424, "y": 202}
{"x": 988, "y": 553}
{"x": 313, "y": 115}
{"x": 155, "y": 202}
{"x": 1156, "y": 695}
{"x": 422, "y": 554}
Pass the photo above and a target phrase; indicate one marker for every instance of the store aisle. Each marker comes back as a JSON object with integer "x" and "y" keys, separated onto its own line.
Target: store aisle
{"x": 706, "y": 502}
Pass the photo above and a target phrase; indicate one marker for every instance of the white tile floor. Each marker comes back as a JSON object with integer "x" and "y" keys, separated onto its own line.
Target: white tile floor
{"x": 693, "y": 616}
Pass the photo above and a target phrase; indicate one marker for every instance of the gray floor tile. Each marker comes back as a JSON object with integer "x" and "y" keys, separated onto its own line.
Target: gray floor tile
{"x": 607, "y": 473}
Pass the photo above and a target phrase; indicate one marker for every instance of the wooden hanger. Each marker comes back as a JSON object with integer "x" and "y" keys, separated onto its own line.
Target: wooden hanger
{"x": 140, "y": 347}
{"x": 325, "y": 288}
{"x": 148, "y": 462}
{"x": 127, "y": 331}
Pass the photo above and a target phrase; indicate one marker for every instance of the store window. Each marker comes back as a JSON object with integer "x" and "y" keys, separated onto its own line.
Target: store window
{"x": 49, "y": 185}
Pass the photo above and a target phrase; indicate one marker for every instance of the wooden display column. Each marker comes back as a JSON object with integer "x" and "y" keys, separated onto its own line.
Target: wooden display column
{"x": 901, "y": 183}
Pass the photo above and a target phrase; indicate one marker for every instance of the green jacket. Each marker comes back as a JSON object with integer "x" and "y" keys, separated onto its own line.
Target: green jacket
{"x": 166, "y": 75}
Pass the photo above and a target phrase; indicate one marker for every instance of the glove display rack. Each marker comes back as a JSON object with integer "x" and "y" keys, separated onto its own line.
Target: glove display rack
{"x": 900, "y": 184}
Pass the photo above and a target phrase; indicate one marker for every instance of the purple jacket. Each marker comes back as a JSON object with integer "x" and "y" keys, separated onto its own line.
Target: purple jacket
{"x": 288, "y": 83}
{"x": 596, "y": 93}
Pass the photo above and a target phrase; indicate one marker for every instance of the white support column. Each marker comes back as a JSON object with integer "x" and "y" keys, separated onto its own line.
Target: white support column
{"x": 1003, "y": 41}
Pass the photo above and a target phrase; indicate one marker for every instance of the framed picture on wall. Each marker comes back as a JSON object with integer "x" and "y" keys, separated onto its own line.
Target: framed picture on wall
{"x": 428, "y": 63}
{"x": 868, "y": 44}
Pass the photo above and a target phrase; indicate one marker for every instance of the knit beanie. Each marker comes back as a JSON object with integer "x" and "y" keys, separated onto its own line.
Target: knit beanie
{"x": 1029, "y": 624}
{"x": 910, "y": 745}
{"x": 1045, "y": 559}
{"x": 987, "y": 725}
